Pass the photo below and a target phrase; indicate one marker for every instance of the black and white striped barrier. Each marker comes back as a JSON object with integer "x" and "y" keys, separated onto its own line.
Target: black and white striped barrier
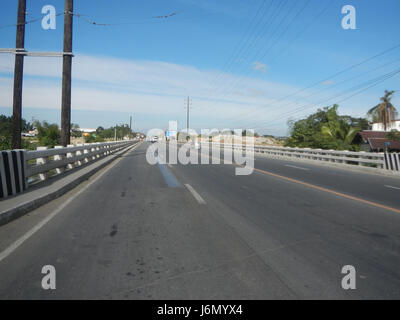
{"x": 12, "y": 172}
{"x": 392, "y": 161}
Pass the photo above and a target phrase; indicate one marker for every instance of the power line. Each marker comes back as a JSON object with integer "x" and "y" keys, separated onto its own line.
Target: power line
{"x": 332, "y": 86}
{"x": 286, "y": 29}
{"x": 269, "y": 22}
{"x": 307, "y": 26}
{"x": 234, "y": 83}
{"x": 90, "y": 20}
{"x": 262, "y": 108}
{"x": 369, "y": 84}
{"x": 361, "y": 88}
{"x": 301, "y": 32}
{"x": 243, "y": 41}
{"x": 33, "y": 20}
{"x": 252, "y": 42}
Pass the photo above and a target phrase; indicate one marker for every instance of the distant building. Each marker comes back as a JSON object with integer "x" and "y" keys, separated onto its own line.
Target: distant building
{"x": 30, "y": 133}
{"x": 34, "y": 132}
{"x": 378, "y": 126}
{"x": 376, "y": 141}
{"x": 86, "y": 130}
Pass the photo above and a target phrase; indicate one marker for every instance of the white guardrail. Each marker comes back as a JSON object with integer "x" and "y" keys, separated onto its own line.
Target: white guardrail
{"x": 384, "y": 161}
{"x": 20, "y": 168}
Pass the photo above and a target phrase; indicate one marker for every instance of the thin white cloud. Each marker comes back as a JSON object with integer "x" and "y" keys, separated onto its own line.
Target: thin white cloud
{"x": 149, "y": 88}
{"x": 258, "y": 66}
{"x": 123, "y": 80}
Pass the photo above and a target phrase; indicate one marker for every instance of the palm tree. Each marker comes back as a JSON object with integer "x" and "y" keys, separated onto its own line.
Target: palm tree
{"x": 343, "y": 134}
{"x": 338, "y": 130}
{"x": 384, "y": 112}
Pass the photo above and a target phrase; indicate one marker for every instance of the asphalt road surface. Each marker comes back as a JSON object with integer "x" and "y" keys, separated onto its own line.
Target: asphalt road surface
{"x": 141, "y": 231}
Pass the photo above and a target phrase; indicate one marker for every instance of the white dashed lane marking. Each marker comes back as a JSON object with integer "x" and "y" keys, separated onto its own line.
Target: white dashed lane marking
{"x": 288, "y": 165}
{"x": 391, "y": 187}
{"x": 195, "y": 194}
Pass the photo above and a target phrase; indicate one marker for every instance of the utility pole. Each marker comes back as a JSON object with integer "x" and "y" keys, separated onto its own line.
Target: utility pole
{"x": 66, "y": 77}
{"x": 187, "y": 116}
{"x": 130, "y": 127}
{"x": 115, "y": 133}
{"x": 188, "y": 103}
{"x": 18, "y": 77}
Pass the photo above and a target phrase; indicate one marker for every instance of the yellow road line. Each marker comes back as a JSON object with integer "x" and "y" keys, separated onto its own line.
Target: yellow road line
{"x": 340, "y": 194}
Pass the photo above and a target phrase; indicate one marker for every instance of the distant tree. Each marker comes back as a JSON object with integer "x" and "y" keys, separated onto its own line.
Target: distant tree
{"x": 49, "y": 134}
{"x": 393, "y": 135}
{"x": 106, "y": 133}
{"x": 326, "y": 129}
{"x": 99, "y": 130}
{"x": 75, "y": 130}
{"x": 26, "y": 126}
{"x": 338, "y": 130}
{"x": 93, "y": 138}
{"x": 122, "y": 130}
{"x": 384, "y": 112}
{"x": 5, "y": 132}
{"x": 90, "y": 139}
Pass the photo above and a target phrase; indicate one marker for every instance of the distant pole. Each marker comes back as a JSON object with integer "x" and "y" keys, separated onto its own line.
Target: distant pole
{"x": 66, "y": 77}
{"x": 18, "y": 77}
{"x": 115, "y": 133}
{"x": 187, "y": 116}
{"x": 130, "y": 127}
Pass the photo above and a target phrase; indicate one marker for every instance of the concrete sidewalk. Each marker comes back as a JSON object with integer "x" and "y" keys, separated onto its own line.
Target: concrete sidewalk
{"x": 38, "y": 195}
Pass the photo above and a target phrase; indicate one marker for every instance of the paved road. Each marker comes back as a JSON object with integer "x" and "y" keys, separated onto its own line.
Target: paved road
{"x": 200, "y": 232}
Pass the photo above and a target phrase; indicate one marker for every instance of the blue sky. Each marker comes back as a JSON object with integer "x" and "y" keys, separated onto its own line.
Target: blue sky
{"x": 236, "y": 59}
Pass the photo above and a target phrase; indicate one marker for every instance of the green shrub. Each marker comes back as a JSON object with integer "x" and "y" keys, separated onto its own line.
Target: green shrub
{"x": 49, "y": 134}
{"x": 93, "y": 138}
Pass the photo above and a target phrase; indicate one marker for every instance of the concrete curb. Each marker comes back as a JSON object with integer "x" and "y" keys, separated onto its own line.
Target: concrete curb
{"x": 24, "y": 208}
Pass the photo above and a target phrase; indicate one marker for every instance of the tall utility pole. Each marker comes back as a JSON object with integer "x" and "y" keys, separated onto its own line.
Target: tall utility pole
{"x": 18, "y": 77}
{"x": 187, "y": 118}
{"x": 187, "y": 115}
{"x": 66, "y": 77}
{"x": 130, "y": 127}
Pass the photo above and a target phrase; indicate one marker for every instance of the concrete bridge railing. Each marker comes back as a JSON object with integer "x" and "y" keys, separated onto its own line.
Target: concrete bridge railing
{"x": 384, "y": 161}
{"x": 21, "y": 168}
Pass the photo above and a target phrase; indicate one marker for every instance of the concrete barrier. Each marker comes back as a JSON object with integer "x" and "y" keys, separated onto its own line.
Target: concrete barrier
{"x": 12, "y": 172}
{"x": 381, "y": 161}
{"x": 392, "y": 161}
{"x": 21, "y": 168}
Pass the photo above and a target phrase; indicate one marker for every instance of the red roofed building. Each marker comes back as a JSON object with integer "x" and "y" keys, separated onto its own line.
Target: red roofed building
{"x": 376, "y": 141}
